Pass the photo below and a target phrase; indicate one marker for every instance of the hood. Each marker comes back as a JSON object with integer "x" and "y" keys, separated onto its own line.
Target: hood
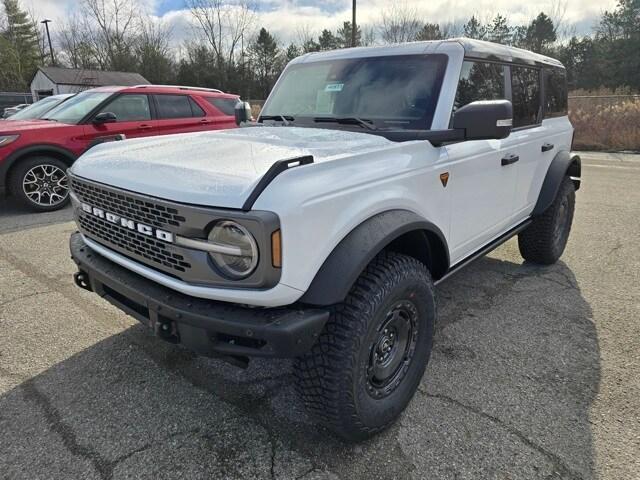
{"x": 9, "y": 126}
{"x": 218, "y": 168}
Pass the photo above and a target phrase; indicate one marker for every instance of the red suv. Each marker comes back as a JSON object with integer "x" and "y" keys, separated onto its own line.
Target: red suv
{"x": 35, "y": 154}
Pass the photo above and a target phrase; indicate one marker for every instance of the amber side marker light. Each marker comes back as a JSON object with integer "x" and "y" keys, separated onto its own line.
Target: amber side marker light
{"x": 276, "y": 249}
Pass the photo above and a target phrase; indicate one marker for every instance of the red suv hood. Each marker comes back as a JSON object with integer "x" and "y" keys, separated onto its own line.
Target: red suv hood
{"x": 26, "y": 125}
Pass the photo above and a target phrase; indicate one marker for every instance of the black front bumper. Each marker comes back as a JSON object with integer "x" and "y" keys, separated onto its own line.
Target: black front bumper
{"x": 205, "y": 326}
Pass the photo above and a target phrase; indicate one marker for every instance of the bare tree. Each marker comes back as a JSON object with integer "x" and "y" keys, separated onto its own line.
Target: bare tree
{"x": 558, "y": 15}
{"x": 223, "y": 25}
{"x": 76, "y": 44}
{"x": 112, "y": 25}
{"x": 399, "y": 23}
{"x": 153, "y": 50}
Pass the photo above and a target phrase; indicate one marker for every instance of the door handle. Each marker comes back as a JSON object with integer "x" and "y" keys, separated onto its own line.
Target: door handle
{"x": 547, "y": 146}
{"x": 204, "y": 120}
{"x": 509, "y": 159}
{"x": 145, "y": 127}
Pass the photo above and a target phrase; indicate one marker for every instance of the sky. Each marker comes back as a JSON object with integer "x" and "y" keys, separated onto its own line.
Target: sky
{"x": 285, "y": 18}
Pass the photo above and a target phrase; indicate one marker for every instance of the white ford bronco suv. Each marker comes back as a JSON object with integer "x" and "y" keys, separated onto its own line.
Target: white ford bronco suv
{"x": 320, "y": 231}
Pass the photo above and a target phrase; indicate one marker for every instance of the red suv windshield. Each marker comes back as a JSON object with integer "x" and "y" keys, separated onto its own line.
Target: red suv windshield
{"x": 78, "y": 107}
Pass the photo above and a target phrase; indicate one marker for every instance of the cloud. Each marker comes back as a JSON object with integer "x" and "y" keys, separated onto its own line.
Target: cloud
{"x": 285, "y": 18}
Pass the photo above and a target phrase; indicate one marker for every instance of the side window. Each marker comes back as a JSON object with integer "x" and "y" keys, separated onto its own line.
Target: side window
{"x": 129, "y": 108}
{"x": 555, "y": 93}
{"x": 196, "y": 110}
{"x": 173, "y": 106}
{"x": 479, "y": 81}
{"x": 525, "y": 88}
{"x": 226, "y": 105}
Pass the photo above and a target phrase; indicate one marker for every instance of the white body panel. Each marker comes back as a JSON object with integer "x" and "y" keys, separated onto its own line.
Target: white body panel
{"x": 354, "y": 176}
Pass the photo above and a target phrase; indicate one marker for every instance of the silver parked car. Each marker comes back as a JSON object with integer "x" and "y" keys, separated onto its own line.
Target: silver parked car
{"x": 13, "y": 110}
{"x": 40, "y": 108}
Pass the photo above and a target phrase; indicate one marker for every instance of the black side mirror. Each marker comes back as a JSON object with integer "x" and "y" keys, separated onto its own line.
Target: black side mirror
{"x": 242, "y": 112}
{"x": 105, "y": 117}
{"x": 485, "y": 120}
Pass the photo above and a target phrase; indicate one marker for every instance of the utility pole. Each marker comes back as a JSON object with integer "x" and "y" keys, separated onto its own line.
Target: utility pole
{"x": 46, "y": 25}
{"x": 353, "y": 24}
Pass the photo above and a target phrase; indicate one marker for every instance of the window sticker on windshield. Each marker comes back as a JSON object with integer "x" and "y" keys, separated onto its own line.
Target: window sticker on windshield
{"x": 334, "y": 87}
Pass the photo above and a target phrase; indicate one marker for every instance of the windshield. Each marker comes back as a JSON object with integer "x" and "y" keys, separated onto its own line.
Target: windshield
{"x": 76, "y": 108}
{"x": 394, "y": 92}
{"x": 37, "y": 109}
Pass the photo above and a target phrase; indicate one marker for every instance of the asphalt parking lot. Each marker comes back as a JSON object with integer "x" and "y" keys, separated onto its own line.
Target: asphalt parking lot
{"x": 535, "y": 372}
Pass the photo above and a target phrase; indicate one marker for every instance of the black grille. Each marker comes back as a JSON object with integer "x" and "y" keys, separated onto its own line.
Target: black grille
{"x": 128, "y": 206}
{"x": 134, "y": 242}
{"x": 132, "y": 207}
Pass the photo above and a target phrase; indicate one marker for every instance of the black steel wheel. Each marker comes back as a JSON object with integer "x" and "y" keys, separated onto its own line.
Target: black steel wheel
{"x": 392, "y": 351}
{"x": 369, "y": 360}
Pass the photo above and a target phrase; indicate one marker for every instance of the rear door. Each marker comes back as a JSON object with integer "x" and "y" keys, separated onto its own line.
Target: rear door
{"x": 179, "y": 114}
{"x": 528, "y": 138}
{"x": 133, "y": 119}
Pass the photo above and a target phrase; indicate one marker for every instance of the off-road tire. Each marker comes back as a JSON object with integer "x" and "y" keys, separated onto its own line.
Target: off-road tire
{"x": 22, "y": 169}
{"x": 545, "y": 239}
{"x": 333, "y": 379}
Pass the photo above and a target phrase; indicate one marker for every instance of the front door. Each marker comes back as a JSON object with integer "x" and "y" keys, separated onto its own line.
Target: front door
{"x": 133, "y": 120}
{"x": 482, "y": 173}
{"x": 482, "y": 182}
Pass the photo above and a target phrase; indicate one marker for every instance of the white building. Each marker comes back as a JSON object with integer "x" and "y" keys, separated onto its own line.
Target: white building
{"x": 54, "y": 80}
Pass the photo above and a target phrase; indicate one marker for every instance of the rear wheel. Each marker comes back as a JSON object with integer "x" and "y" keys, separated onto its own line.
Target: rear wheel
{"x": 371, "y": 356}
{"x": 544, "y": 240}
{"x": 40, "y": 183}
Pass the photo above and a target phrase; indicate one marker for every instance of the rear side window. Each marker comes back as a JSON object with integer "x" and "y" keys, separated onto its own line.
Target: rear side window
{"x": 173, "y": 106}
{"x": 479, "y": 81}
{"x": 225, "y": 105}
{"x": 196, "y": 110}
{"x": 525, "y": 88}
{"x": 555, "y": 93}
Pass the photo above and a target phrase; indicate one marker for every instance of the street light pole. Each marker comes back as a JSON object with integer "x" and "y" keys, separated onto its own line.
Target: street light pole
{"x": 353, "y": 24}
{"x": 46, "y": 25}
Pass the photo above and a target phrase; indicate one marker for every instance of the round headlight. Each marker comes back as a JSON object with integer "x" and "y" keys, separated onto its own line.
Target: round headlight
{"x": 242, "y": 256}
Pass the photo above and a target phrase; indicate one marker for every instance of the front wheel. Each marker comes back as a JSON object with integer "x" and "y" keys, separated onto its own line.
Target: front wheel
{"x": 369, "y": 360}
{"x": 40, "y": 183}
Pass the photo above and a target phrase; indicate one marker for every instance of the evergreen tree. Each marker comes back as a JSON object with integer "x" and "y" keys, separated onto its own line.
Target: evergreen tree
{"x": 343, "y": 35}
{"x": 430, "y": 31}
{"x": 266, "y": 61}
{"x": 327, "y": 40}
{"x": 19, "y": 50}
{"x": 499, "y": 31}
{"x": 292, "y": 52}
{"x": 540, "y": 34}
{"x": 474, "y": 29}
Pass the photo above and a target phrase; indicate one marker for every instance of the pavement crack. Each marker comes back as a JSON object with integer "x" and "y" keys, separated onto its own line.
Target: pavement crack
{"x": 65, "y": 432}
{"x": 558, "y": 464}
{"x": 22, "y": 297}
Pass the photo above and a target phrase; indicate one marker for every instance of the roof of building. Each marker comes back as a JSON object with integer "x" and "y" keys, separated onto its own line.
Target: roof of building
{"x": 91, "y": 78}
{"x": 472, "y": 49}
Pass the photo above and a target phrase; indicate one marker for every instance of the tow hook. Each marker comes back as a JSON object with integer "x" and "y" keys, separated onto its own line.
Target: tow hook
{"x": 81, "y": 279}
{"x": 167, "y": 331}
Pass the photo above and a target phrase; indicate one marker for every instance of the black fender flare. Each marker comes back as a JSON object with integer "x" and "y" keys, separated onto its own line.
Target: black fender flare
{"x": 563, "y": 164}
{"x": 43, "y": 148}
{"x": 355, "y": 251}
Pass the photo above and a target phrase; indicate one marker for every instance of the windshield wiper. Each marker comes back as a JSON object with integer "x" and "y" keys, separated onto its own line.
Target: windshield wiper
{"x": 283, "y": 118}
{"x": 363, "y": 122}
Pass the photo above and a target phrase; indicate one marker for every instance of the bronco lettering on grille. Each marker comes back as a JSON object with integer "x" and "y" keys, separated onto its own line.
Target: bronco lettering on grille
{"x": 127, "y": 223}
